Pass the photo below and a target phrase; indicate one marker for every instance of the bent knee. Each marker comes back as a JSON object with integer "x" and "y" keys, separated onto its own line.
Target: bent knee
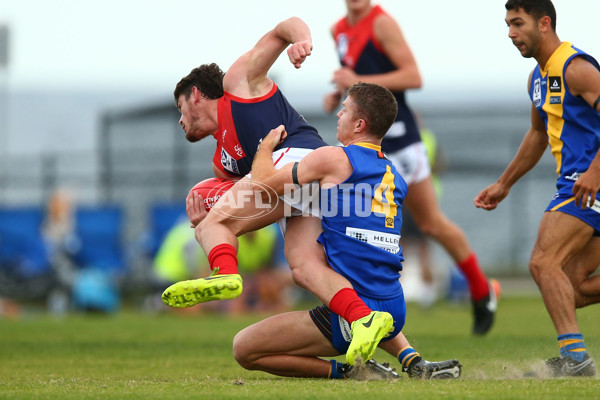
{"x": 218, "y": 220}
{"x": 300, "y": 276}
{"x": 241, "y": 352}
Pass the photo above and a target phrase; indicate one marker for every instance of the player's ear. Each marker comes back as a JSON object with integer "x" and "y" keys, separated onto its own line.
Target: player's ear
{"x": 361, "y": 125}
{"x": 196, "y": 94}
{"x": 545, "y": 24}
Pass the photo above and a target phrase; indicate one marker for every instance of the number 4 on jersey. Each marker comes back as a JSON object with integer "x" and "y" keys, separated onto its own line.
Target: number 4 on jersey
{"x": 383, "y": 198}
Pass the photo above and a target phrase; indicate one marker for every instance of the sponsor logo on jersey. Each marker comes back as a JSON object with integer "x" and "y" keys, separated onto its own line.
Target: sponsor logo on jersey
{"x": 555, "y": 99}
{"x": 574, "y": 176}
{"x": 537, "y": 92}
{"x": 342, "y": 49}
{"x": 229, "y": 163}
{"x": 555, "y": 84}
{"x": 385, "y": 241}
{"x": 238, "y": 150}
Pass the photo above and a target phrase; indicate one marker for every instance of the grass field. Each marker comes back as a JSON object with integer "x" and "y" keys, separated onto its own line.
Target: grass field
{"x": 188, "y": 356}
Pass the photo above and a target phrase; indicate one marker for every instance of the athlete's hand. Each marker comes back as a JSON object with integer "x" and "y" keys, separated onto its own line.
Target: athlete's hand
{"x": 491, "y": 196}
{"x": 586, "y": 188}
{"x": 274, "y": 138}
{"x": 344, "y": 78}
{"x": 298, "y": 52}
{"x": 332, "y": 101}
{"x": 194, "y": 207}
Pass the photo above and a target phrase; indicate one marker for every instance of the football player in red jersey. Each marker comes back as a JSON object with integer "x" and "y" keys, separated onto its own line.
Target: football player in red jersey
{"x": 239, "y": 108}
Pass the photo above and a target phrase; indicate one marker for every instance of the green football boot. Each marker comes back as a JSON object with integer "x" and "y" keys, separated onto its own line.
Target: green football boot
{"x": 215, "y": 287}
{"x": 367, "y": 332}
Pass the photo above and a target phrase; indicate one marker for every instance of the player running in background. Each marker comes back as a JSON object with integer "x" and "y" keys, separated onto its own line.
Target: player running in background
{"x": 238, "y": 109}
{"x": 372, "y": 49}
{"x": 565, "y": 92}
{"x": 361, "y": 201}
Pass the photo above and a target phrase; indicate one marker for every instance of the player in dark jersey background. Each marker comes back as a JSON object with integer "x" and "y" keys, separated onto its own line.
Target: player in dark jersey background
{"x": 372, "y": 49}
{"x": 361, "y": 202}
{"x": 565, "y": 92}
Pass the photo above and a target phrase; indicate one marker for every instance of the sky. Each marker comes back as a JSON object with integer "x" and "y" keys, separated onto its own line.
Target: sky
{"x": 72, "y": 60}
{"x": 149, "y": 46}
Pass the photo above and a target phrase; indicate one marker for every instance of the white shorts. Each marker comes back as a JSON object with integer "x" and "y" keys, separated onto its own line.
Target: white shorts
{"x": 412, "y": 163}
{"x": 298, "y": 204}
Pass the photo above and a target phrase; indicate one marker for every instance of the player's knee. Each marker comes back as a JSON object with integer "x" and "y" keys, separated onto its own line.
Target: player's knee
{"x": 300, "y": 275}
{"x": 537, "y": 267}
{"x": 242, "y": 352}
{"x": 216, "y": 220}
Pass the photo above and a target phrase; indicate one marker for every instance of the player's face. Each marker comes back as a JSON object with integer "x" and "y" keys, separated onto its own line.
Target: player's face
{"x": 194, "y": 118}
{"x": 524, "y": 32}
{"x": 357, "y": 5}
{"x": 346, "y": 121}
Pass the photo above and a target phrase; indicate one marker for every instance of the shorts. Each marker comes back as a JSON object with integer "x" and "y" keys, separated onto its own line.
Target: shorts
{"x": 412, "y": 163}
{"x": 337, "y": 330}
{"x": 304, "y": 200}
{"x": 566, "y": 204}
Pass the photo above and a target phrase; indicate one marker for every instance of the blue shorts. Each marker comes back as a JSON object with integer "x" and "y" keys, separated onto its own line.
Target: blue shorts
{"x": 566, "y": 204}
{"x": 337, "y": 330}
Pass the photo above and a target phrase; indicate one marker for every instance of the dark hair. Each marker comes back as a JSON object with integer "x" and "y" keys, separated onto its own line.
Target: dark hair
{"x": 536, "y": 8}
{"x": 208, "y": 78}
{"x": 376, "y": 105}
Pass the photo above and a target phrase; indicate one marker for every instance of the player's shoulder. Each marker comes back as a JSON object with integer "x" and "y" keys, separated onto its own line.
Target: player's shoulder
{"x": 328, "y": 153}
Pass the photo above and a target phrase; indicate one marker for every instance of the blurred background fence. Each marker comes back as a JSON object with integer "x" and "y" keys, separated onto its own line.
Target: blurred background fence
{"x": 143, "y": 166}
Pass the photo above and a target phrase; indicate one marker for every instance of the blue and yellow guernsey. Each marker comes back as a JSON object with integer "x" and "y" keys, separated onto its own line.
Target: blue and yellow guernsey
{"x": 362, "y": 217}
{"x": 573, "y": 126}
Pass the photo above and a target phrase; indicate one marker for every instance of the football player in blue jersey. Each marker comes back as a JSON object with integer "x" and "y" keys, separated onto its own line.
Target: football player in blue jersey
{"x": 371, "y": 48}
{"x": 565, "y": 92}
{"x": 361, "y": 201}
{"x": 238, "y": 108}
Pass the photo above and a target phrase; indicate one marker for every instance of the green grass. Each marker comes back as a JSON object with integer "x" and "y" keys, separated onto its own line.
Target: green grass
{"x": 184, "y": 356}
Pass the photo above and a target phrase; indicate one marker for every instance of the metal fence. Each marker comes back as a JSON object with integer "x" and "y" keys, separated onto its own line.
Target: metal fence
{"x": 142, "y": 159}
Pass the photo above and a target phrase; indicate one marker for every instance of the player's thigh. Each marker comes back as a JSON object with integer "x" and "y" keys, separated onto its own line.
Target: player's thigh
{"x": 560, "y": 237}
{"x": 585, "y": 262}
{"x": 244, "y": 208}
{"x": 422, "y": 202}
{"x": 300, "y": 242}
{"x": 292, "y": 333}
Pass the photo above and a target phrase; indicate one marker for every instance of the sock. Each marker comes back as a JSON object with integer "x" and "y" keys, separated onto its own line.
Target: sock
{"x": 348, "y": 305}
{"x": 572, "y": 345}
{"x": 223, "y": 256}
{"x": 336, "y": 372}
{"x": 478, "y": 283}
{"x": 406, "y": 355}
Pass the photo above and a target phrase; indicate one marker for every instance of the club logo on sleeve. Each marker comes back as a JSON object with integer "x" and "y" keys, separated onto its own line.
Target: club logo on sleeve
{"x": 555, "y": 83}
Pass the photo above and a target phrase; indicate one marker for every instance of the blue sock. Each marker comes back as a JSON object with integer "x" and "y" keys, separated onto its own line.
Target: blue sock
{"x": 335, "y": 370}
{"x": 406, "y": 355}
{"x": 572, "y": 345}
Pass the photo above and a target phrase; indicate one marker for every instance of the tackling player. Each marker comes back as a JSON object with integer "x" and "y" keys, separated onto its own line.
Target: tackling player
{"x": 361, "y": 201}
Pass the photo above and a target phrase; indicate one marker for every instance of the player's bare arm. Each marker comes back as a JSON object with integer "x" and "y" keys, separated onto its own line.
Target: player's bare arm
{"x": 583, "y": 80}
{"x": 328, "y": 165}
{"x": 405, "y": 76}
{"x": 247, "y": 77}
{"x": 396, "y": 47}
